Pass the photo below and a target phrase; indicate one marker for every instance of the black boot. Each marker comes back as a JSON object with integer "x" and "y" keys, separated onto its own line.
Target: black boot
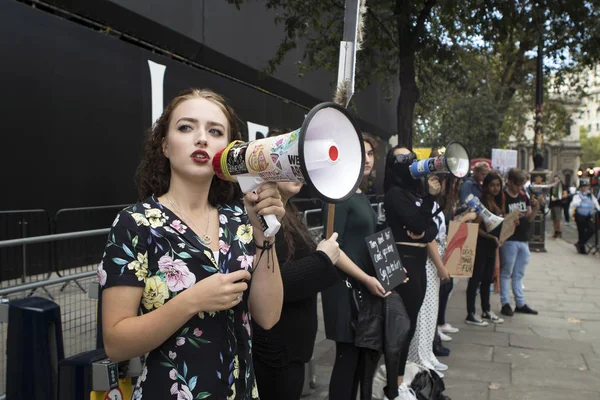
{"x": 438, "y": 348}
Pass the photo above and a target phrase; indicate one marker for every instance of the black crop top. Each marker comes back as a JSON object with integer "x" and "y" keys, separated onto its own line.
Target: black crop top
{"x": 406, "y": 211}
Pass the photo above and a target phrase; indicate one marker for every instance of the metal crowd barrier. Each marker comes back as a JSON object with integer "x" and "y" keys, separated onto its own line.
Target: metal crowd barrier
{"x": 28, "y": 263}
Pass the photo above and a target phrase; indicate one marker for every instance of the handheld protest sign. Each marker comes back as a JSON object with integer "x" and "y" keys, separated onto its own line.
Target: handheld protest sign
{"x": 386, "y": 259}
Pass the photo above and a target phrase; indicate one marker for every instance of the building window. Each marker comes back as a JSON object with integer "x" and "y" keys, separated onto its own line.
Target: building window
{"x": 546, "y": 159}
{"x": 589, "y": 128}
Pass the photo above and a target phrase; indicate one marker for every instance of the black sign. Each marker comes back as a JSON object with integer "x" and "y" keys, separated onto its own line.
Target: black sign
{"x": 386, "y": 259}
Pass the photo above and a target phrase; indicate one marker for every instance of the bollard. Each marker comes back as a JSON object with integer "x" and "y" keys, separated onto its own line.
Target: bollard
{"x": 34, "y": 348}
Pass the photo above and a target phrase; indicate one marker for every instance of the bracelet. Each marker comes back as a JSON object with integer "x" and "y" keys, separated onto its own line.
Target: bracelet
{"x": 267, "y": 246}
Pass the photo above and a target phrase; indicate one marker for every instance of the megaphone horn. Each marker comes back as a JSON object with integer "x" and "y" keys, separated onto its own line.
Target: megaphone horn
{"x": 491, "y": 221}
{"x": 455, "y": 161}
{"x": 323, "y": 154}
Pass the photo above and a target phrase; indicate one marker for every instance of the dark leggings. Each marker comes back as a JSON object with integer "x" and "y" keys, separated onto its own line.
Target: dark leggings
{"x": 445, "y": 290}
{"x": 412, "y": 292}
{"x": 483, "y": 273}
{"x": 353, "y": 365}
{"x": 585, "y": 228}
{"x": 276, "y": 383}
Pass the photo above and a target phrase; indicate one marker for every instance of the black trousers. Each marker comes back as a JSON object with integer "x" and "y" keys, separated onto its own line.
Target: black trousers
{"x": 276, "y": 383}
{"x": 353, "y": 366}
{"x": 445, "y": 290}
{"x": 585, "y": 228}
{"x": 483, "y": 274}
{"x": 412, "y": 292}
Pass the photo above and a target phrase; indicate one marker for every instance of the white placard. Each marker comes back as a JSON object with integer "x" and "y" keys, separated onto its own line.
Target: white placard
{"x": 503, "y": 160}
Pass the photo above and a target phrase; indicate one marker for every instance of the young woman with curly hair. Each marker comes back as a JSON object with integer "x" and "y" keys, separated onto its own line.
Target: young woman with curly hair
{"x": 179, "y": 274}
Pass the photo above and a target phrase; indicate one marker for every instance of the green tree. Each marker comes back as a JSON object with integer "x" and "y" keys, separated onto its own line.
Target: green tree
{"x": 399, "y": 34}
{"x": 590, "y": 147}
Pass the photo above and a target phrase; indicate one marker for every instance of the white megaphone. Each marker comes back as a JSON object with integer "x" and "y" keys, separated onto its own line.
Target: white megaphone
{"x": 326, "y": 153}
{"x": 455, "y": 161}
{"x": 491, "y": 221}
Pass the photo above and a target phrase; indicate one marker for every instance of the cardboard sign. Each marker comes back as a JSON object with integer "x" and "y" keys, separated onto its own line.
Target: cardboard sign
{"x": 508, "y": 226}
{"x": 386, "y": 259}
{"x": 460, "y": 251}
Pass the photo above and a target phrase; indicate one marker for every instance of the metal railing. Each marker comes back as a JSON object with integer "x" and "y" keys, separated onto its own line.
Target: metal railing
{"x": 37, "y": 252}
{"x": 78, "y": 310}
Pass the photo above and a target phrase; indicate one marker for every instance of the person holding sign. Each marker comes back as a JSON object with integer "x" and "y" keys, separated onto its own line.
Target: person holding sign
{"x": 354, "y": 220}
{"x": 515, "y": 251}
{"x": 410, "y": 217}
{"x": 485, "y": 255}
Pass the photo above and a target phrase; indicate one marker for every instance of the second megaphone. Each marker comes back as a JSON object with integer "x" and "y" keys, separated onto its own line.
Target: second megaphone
{"x": 455, "y": 161}
{"x": 326, "y": 153}
{"x": 491, "y": 221}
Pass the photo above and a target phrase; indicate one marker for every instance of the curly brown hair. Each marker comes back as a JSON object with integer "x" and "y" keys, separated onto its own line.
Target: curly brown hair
{"x": 153, "y": 174}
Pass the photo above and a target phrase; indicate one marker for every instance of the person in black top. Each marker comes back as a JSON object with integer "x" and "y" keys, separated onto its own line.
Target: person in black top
{"x": 485, "y": 255}
{"x": 409, "y": 215}
{"x": 515, "y": 251}
{"x": 306, "y": 269}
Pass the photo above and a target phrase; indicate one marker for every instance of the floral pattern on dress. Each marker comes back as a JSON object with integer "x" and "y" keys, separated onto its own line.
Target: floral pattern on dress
{"x": 210, "y": 357}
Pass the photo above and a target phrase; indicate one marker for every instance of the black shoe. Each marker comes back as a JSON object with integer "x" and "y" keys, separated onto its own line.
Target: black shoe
{"x": 473, "y": 319}
{"x": 506, "y": 310}
{"x": 525, "y": 310}
{"x": 438, "y": 348}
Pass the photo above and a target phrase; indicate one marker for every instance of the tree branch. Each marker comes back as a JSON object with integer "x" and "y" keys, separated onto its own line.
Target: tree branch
{"x": 423, "y": 15}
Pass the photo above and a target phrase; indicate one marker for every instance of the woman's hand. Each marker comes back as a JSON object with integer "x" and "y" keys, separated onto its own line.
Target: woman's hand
{"x": 331, "y": 247}
{"x": 265, "y": 201}
{"x": 375, "y": 287}
{"x": 217, "y": 292}
{"x": 434, "y": 185}
{"x": 467, "y": 216}
{"x": 443, "y": 273}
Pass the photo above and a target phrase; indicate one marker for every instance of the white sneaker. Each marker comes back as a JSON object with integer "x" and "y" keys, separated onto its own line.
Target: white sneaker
{"x": 441, "y": 367}
{"x": 447, "y": 328}
{"x": 406, "y": 393}
{"x": 444, "y": 337}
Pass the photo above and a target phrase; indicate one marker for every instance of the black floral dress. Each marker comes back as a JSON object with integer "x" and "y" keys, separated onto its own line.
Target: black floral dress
{"x": 210, "y": 357}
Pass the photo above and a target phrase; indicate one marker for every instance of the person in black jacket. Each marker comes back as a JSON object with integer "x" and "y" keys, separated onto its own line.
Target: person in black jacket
{"x": 409, "y": 215}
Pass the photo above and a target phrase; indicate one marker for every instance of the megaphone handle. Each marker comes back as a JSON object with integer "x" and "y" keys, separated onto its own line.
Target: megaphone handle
{"x": 270, "y": 224}
{"x": 330, "y": 217}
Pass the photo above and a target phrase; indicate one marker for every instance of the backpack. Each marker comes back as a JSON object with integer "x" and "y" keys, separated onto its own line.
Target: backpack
{"x": 428, "y": 385}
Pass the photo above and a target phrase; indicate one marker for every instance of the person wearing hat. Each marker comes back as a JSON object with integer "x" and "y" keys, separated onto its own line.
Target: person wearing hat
{"x": 582, "y": 207}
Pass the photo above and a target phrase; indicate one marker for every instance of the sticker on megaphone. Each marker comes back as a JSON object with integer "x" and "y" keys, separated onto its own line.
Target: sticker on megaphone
{"x": 326, "y": 153}
{"x": 491, "y": 221}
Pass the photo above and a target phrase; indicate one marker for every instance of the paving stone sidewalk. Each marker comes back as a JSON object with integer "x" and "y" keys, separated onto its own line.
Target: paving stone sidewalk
{"x": 554, "y": 355}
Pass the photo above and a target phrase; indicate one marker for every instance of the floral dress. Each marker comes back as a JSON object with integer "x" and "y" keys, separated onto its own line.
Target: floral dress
{"x": 210, "y": 357}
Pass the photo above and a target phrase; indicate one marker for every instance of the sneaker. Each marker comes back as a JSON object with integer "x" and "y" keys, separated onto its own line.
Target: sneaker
{"x": 444, "y": 337}
{"x": 506, "y": 310}
{"x": 440, "y": 367}
{"x": 473, "y": 319}
{"x": 525, "y": 310}
{"x": 490, "y": 316}
{"x": 406, "y": 393}
{"x": 447, "y": 328}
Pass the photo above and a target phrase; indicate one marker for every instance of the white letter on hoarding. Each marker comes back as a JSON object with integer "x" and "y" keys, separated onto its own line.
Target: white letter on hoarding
{"x": 157, "y": 75}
